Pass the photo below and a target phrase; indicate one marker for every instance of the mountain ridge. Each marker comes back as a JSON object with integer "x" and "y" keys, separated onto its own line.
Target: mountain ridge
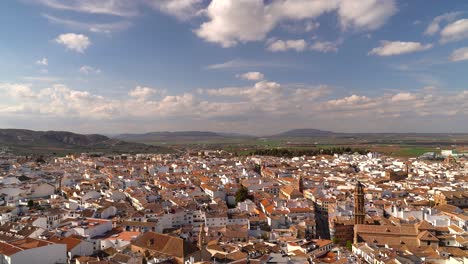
{"x": 24, "y": 140}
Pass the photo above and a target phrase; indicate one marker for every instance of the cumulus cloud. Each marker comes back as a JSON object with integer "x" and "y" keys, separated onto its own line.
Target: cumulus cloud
{"x": 349, "y": 101}
{"x": 182, "y": 9}
{"x": 434, "y": 26}
{"x": 238, "y": 21}
{"x": 264, "y": 100}
{"x": 365, "y": 14}
{"x": 251, "y": 76}
{"x": 17, "y": 90}
{"x": 391, "y": 48}
{"x": 325, "y": 46}
{"x": 234, "y": 21}
{"x": 43, "y": 62}
{"x": 455, "y": 31}
{"x": 285, "y": 45}
{"x": 460, "y": 54}
{"x": 86, "y": 69}
{"x": 400, "y": 97}
{"x": 143, "y": 93}
{"x": 75, "y": 42}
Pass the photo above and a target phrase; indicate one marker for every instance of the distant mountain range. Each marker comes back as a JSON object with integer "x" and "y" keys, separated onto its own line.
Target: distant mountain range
{"x": 29, "y": 141}
{"x": 304, "y": 132}
{"x": 295, "y": 136}
{"x": 179, "y": 136}
{"x": 206, "y": 136}
{"x": 60, "y": 142}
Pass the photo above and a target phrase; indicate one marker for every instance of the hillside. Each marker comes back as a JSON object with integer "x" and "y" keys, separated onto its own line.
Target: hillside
{"x": 30, "y": 142}
{"x": 180, "y": 137}
{"x": 305, "y": 132}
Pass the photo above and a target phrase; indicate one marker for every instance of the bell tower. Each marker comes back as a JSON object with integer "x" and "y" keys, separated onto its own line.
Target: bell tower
{"x": 301, "y": 184}
{"x": 359, "y": 211}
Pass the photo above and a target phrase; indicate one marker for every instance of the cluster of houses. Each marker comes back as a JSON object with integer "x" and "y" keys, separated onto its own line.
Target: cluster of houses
{"x": 216, "y": 207}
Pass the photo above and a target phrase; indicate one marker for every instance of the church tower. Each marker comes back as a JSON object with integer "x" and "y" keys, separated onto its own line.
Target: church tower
{"x": 301, "y": 184}
{"x": 202, "y": 237}
{"x": 359, "y": 211}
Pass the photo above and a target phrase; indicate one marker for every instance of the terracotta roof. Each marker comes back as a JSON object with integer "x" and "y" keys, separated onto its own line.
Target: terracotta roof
{"x": 165, "y": 244}
{"x": 69, "y": 241}
{"x": 11, "y": 248}
{"x": 424, "y": 225}
{"x": 427, "y": 236}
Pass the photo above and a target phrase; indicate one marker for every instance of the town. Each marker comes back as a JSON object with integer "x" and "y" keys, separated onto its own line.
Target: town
{"x": 215, "y": 207}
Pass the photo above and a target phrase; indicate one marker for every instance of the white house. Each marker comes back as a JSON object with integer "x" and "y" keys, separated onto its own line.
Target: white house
{"x": 75, "y": 246}
{"x": 30, "y": 250}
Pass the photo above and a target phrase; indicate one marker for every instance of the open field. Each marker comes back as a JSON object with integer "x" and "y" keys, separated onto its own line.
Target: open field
{"x": 399, "y": 145}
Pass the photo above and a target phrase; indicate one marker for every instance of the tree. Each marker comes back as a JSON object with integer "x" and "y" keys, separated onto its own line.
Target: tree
{"x": 349, "y": 245}
{"x": 30, "y": 203}
{"x": 242, "y": 194}
{"x": 336, "y": 240}
{"x": 258, "y": 168}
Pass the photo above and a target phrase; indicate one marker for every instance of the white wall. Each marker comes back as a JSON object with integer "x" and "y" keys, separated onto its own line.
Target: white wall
{"x": 51, "y": 254}
{"x": 85, "y": 248}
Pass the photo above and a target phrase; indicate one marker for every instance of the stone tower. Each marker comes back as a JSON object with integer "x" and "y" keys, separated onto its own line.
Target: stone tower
{"x": 301, "y": 184}
{"x": 202, "y": 237}
{"x": 359, "y": 211}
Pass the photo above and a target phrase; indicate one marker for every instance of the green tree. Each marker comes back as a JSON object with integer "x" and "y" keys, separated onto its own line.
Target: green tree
{"x": 349, "y": 245}
{"x": 336, "y": 240}
{"x": 242, "y": 194}
{"x": 30, "y": 203}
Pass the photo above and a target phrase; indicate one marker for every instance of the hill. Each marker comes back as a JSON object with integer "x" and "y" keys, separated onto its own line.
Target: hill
{"x": 61, "y": 142}
{"x": 188, "y": 137}
{"x": 305, "y": 132}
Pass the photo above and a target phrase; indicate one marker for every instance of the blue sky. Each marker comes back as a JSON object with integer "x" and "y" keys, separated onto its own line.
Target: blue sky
{"x": 248, "y": 66}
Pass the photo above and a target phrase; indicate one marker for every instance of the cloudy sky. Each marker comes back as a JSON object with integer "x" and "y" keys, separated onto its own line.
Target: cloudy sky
{"x": 250, "y": 66}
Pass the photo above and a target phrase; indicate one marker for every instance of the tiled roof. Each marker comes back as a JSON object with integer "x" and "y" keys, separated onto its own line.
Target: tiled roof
{"x": 165, "y": 244}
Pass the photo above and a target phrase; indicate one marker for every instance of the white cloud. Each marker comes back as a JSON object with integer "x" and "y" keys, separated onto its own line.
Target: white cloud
{"x": 89, "y": 70}
{"x": 311, "y": 26}
{"x": 251, "y": 76}
{"x": 234, "y": 21}
{"x": 455, "y": 31}
{"x": 108, "y": 7}
{"x": 43, "y": 62}
{"x": 325, "y": 46}
{"x": 266, "y": 101}
{"x": 20, "y": 91}
{"x": 401, "y": 97}
{"x": 390, "y": 48}
{"x": 143, "y": 93}
{"x": 285, "y": 45}
{"x": 75, "y": 42}
{"x": 300, "y": 9}
{"x": 460, "y": 54}
{"x": 182, "y": 9}
{"x": 365, "y": 14}
{"x": 241, "y": 63}
{"x": 92, "y": 27}
{"x": 350, "y": 100}
{"x": 238, "y": 21}
{"x": 434, "y": 26}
